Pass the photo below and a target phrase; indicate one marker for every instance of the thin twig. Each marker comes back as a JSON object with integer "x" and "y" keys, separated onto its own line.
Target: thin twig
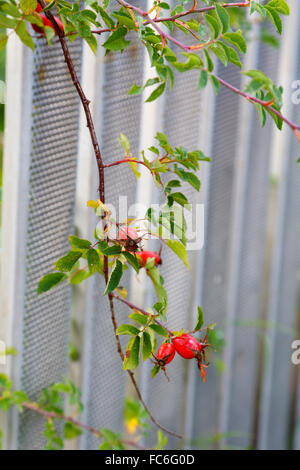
{"x": 126, "y": 160}
{"x": 202, "y": 10}
{"x": 52, "y": 414}
{"x": 134, "y": 307}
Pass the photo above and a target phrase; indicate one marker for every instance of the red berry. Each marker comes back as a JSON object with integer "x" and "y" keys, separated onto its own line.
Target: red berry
{"x": 166, "y": 353}
{"x": 38, "y": 8}
{"x": 186, "y": 346}
{"x": 145, "y": 255}
{"x": 126, "y": 232}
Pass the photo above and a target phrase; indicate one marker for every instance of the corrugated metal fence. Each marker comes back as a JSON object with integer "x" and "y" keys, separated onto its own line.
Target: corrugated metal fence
{"x": 246, "y": 277}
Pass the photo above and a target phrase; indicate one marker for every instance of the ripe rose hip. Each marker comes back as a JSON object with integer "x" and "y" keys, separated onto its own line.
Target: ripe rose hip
{"x": 166, "y": 353}
{"x": 186, "y": 346}
{"x": 126, "y": 232}
{"x": 145, "y": 255}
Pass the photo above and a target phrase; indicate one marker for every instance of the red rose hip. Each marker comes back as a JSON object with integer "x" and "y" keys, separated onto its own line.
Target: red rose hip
{"x": 145, "y": 255}
{"x": 186, "y": 346}
{"x": 127, "y": 232}
{"x": 166, "y": 353}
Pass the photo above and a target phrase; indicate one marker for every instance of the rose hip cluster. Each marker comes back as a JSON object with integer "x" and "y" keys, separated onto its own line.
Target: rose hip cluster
{"x": 187, "y": 347}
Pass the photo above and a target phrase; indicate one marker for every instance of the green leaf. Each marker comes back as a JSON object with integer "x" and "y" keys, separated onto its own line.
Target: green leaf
{"x": 135, "y": 90}
{"x": 71, "y": 431}
{"x": 131, "y": 260}
{"x": 162, "y": 441}
{"x": 179, "y": 198}
{"x": 92, "y": 42}
{"x": 237, "y": 40}
{"x": 50, "y": 280}
{"x": 106, "y": 18}
{"x": 155, "y": 370}
{"x": 3, "y": 40}
{"x": 24, "y": 35}
{"x": 116, "y": 40}
{"x": 220, "y": 52}
{"x": 124, "y": 19}
{"x": 139, "y": 318}
{"x": 200, "y": 319}
{"x": 111, "y": 250}
{"x": 124, "y": 141}
{"x": 214, "y": 26}
{"x": 156, "y": 93}
{"x": 49, "y": 5}
{"x": 93, "y": 260}
{"x": 146, "y": 346}
{"x": 28, "y": 6}
{"x": 50, "y": 33}
{"x": 223, "y": 17}
{"x": 215, "y": 83}
{"x": 275, "y": 18}
{"x": 261, "y": 113}
{"x": 7, "y": 22}
{"x": 79, "y": 276}
{"x": 189, "y": 177}
{"x": 11, "y": 10}
{"x": 280, "y": 5}
{"x": 203, "y": 79}
{"x": 179, "y": 249}
{"x": 233, "y": 56}
{"x": 208, "y": 61}
{"x": 66, "y": 263}
{"x": 159, "y": 330}
{"x": 127, "y": 330}
{"x": 79, "y": 243}
{"x": 131, "y": 360}
{"x": 5, "y": 382}
{"x": 115, "y": 277}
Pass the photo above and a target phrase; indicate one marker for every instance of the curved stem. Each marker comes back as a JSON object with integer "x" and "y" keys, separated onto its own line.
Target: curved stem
{"x": 134, "y": 307}
{"x": 126, "y": 160}
{"x": 51, "y": 414}
{"x": 203, "y": 10}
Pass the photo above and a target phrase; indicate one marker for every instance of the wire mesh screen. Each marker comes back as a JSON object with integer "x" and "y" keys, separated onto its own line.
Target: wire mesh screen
{"x": 55, "y": 113}
{"x": 181, "y": 125}
{"x": 217, "y": 241}
{"x": 243, "y": 368}
{"x": 281, "y": 387}
{"x": 105, "y": 384}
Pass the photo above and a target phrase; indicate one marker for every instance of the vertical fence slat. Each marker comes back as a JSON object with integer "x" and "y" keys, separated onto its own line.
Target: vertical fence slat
{"x": 52, "y": 111}
{"x": 105, "y": 384}
{"x": 216, "y": 248}
{"x": 245, "y": 288}
{"x": 276, "y": 402}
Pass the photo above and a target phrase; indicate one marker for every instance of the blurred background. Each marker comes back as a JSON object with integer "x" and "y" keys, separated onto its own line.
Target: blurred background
{"x": 246, "y": 276}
